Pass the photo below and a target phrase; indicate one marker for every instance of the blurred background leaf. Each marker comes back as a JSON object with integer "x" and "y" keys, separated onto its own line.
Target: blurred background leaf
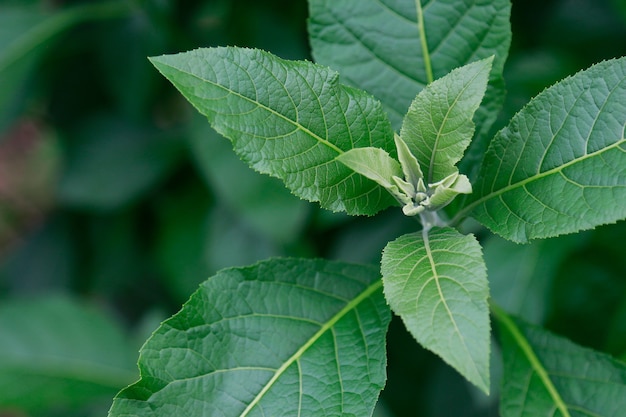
{"x": 110, "y": 163}
{"x": 521, "y": 276}
{"x": 262, "y": 201}
{"x": 114, "y": 194}
{"x": 58, "y": 354}
{"x": 26, "y": 32}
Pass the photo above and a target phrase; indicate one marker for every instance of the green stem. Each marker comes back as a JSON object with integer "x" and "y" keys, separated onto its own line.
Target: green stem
{"x": 527, "y": 350}
{"x": 422, "y": 33}
{"x": 430, "y": 219}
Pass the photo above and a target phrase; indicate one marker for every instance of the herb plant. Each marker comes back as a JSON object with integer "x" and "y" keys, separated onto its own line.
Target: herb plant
{"x": 396, "y": 113}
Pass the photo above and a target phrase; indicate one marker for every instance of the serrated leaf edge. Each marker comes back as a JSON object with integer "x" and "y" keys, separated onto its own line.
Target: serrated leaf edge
{"x": 485, "y": 387}
{"x": 335, "y": 84}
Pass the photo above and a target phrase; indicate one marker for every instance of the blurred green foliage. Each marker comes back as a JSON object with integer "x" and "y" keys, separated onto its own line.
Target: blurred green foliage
{"x": 116, "y": 200}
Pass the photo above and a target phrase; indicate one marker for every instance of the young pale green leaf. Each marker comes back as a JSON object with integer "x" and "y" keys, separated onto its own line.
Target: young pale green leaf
{"x": 447, "y": 189}
{"x": 393, "y": 49}
{"x": 438, "y": 126}
{"x": 285, "y": 337}
{"x": 548, "y": 375}
{"x": 436, "y": 282}
{"x": 410, "y": 166}
{"x": 373, "y": 163}
{"x": 287, "y": 119}
{"x": 560, "y": 165}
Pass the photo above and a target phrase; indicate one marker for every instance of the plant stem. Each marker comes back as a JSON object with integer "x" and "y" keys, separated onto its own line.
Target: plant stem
{"x": 424, "y": 43}
{"x": 430, "y": 219}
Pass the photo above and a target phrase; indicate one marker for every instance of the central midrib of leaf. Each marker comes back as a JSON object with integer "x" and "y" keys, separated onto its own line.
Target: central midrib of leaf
{"x": 439, "y": 134}
{"x": 395, "y": 68}
{"x": 433, "y": 268}
{"x": 269, "y": 109}
{"x": 300, "y": 352}
{"x": 536, "y": 177}
{"x": 422, "y": 33}
{"x": 532, "y": 358}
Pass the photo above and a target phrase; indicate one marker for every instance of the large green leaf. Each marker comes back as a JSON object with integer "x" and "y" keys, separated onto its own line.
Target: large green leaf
{"x": 560, "y": 165}
{"x": 56, "y": 353}
{"x": 378, "y": 46}
{"x": 438, "y": 126}
{"x": 436, "y": 282}
{"x": 286, "y": 337}
{"x": 547, "y": 375}
{"x": 287, "y": 119}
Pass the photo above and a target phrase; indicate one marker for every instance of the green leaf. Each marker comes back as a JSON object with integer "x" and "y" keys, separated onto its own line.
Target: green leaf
{"x": 287, "y": 119}
{"x": 382, "y": 48}
{"x": 56, "y": 353}
{"x": 548, "y": 375}
{"x": 444, "y": 191}
{"x": 373, "y": 163}
{"x": 410, "y": 166}
{"x": 436, "y": 282}
{"x": 283, "y": 337}
{"x": 560, "y": 165}
{"x": 438, "y": 126}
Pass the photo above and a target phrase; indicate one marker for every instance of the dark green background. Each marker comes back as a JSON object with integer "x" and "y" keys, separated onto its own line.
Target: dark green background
{"x": 115, "y": 194}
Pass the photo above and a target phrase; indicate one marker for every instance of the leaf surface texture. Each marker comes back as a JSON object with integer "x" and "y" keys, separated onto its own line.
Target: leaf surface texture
{"x": 376, "y": 45}
{"x": 560, "y": 165}
{"x": 438, "y": 126}
{"x": 436, "y": 282}
{"x": 287, "y": 119}
{"x": 546, "y": 375}
{"x": 286, "y": 337}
